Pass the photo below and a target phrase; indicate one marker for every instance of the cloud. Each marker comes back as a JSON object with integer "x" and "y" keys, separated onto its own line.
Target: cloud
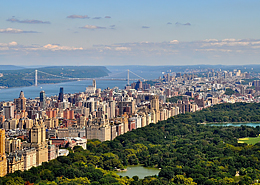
{"x": 169, "y": 23}
{"x": 6, "y": 46}
{"x": 32, "y": 21}
{"x": 174, "y": 42}
{"x": 13, "y": 43}
{"x": 227, "y": 43}
{"x": 180, "y": 24}
{"x": 122, "y": 49}
{"x": 9, "y": 44}
{"x": 107, "y": 17}
{"x": 214, "y": 50}
{"x": 210, "y": 40}
{"x": 205, "y": 47}
{"x": 255, "y": 42}
{"x": 13, "y": 30}
{"x": 78, "y": 17}
{"x": 230, "y": 40}
{"x": 145, "y": 27}
{"x": 14, "y": 46}
{"x": 92, "y": 27}
{"x": 229, "y": 51}
{"x": 96, "y": 17}
{"x": 56, "y": 47}
{"x": 255, "y": 47}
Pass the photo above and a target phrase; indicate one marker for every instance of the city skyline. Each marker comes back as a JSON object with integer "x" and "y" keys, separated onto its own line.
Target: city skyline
{"x": 121, "y": 33}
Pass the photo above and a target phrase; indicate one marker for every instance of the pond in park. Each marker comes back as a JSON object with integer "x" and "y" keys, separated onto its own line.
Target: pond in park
{"x": 140, "y": 171}
{"x": 233, "y": 124}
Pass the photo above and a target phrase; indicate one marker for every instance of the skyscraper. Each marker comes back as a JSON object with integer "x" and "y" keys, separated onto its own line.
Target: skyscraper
{"x": 20, "y": 102}
{"x": 155, "y": 103}
{"x": 42, "y": 99}
{"x": 155, "y": 107}
{"x": 37, "y": 136}
{"x": 112, "y": 105}
{"x": 94, "y": 84}
{"x": 92, "y": 89}
{"x": 139, "y": 85}
{"x": 3, "y": 162}
{"x": 178, "y": 75}
{"x": 8, "y": 111}
{"x": 61, "y": 94}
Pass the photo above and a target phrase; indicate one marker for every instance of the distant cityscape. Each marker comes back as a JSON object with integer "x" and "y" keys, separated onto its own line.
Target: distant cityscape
{"x": 37, "y": 130}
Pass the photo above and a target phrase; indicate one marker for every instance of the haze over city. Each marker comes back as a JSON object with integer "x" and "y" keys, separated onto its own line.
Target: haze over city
{"x": 129, "y": 32}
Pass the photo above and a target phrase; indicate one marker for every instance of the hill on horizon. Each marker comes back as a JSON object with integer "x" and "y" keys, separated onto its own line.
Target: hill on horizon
{"x": 10, "y": 67}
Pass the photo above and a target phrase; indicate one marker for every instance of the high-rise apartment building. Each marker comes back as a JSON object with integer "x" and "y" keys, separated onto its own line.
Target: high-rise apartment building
{"x": 112, "y": 105}
{"x": 15, "y": 162}
{"x": 29, "y": 156}
{"x": 3, "y": 162}
{"x": 256, "y": 83}
{"x": 38, "y": 141}
{"x": 8, "y": 111}
{"x": 68, "y": 114}
{"x": 12, "y": 145}
{"x": 155, "y": 103}
{"x": 139, "y": 85}
{"x": 155, "y": 107}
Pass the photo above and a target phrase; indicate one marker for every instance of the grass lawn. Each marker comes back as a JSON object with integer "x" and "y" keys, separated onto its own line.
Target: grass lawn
{"x": 249, "y": 140}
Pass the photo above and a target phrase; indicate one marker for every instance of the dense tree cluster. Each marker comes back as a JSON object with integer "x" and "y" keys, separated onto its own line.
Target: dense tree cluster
{"x": 186, "y": 152}
{"x": 174, "y": 99}
{"x": 181, "y": 146}
{"x": 230, "y": 92}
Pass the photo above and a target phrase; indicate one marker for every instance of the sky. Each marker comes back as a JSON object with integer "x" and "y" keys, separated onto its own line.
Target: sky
{"x": 134, "y": 32}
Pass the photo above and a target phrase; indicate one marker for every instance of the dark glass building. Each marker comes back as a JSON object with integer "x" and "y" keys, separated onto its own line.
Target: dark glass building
{"x": 61, "y": 94}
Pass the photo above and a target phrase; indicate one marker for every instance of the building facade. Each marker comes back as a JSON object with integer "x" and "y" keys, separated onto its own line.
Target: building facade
{"x": 3, "y": 162}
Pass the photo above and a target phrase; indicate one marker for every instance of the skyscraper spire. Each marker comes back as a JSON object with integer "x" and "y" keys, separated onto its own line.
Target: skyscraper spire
{"x": 21, "y": 94}
{"x": 94, "y": 84}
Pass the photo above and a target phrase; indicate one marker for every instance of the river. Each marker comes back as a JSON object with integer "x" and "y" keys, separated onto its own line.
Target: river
{"x": 53, "y": 89}
{"x": 78, "y": 86}
{"x": 139, "y": 171}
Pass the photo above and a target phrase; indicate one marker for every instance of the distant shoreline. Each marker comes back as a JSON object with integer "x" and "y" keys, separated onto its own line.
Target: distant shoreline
{"x": 25, "y": 77}
{"x": 37, "y": 85}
